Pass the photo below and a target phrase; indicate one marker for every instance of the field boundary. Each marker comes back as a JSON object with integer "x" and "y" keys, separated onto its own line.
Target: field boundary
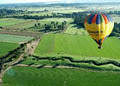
{"x": 96, "y": 63}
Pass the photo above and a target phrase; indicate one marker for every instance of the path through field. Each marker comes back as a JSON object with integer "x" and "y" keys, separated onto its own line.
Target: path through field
{"x": 30, "y": 50}
{"x": 30, "y": 47}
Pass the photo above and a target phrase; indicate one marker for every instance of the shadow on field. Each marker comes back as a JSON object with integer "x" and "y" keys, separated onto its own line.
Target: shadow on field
{"x": 55, "y": 66}
{"x": 94, "y": 65}
{"x": 41, "y": 66}
{"x": 76, "y": 26}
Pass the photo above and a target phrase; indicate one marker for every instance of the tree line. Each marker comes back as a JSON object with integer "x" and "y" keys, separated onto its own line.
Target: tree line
{"x": 116, "y": 30}
{"x": 52, "y": 26}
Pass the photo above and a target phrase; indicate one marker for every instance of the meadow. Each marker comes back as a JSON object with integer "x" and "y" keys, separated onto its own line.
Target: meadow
{"x": 13, "y": 23}
{"x": 5, "y": 47}
{"x": 72, "y": 42}
{"x": 29, "y": 76}
{"x": 4, "y": 22}
{"x": 73, "y": 29}
{"x": 59, "y": 20}
{"x": 77, "y": 46}
{"x": 14, "y": 38}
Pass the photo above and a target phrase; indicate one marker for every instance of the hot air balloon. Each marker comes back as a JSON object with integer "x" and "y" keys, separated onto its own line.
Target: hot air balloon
{"x": 99, "y": 26}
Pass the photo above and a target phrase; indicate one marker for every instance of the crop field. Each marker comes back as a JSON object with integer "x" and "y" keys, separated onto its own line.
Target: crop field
{"x": 77, "y": 45}
{"x": 13, "y": 23}
{"x": 116, "y": 18}
{"x": 29, "y": 76}
{"x": 52, "y": 48}
{"x": 4, "y": 22}
{"x": 59, "y": 20}
{"x": 14, "y": 38}
{"x": 40, "y": 14}
{"x": 5, "y": 47}
{"x": 73, "y": 29}
{"x": 23, "y": 25}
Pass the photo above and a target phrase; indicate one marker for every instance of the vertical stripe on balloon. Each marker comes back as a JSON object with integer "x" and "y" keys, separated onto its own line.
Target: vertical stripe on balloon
{"x": 105, "y": 18}
{"x": 90, "y": 19}
{"x": 94, "y": 18}
{"x": 98, "y": 19}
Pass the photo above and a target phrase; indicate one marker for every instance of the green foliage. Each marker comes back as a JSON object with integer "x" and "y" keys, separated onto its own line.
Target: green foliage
{"x": 116, "y": 30}
{"x": 28, "y": 76}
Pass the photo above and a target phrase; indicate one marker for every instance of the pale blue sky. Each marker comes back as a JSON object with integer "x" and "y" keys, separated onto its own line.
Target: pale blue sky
{"x": 67, "y": 1}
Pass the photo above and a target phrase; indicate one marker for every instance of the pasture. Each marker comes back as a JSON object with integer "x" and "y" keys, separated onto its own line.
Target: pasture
{"x": 14, "y": 38}
{"x": 5, "y": 22}
{"x": 116, "y": 18}
{"x": 5, "y": 47}
{"x": 73, "y": 29}
{"x": 29, "y": 76}
{"x": 77, "y": 46}
{"x": 59, "y": 20}
{"x": 13, "y": 23}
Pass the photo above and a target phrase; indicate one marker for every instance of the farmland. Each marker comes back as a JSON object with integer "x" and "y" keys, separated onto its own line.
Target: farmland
{"x": 14, "y": 38}
{"x": 9, "y": 21}
{"x": 59, "y": 20}
{"x": 47, "y": 45}
{"x": 73, "y": 29}
{"x": 26, "y": 76}
{"x": 5, "y": 47}
{"x": 77, "y": 45}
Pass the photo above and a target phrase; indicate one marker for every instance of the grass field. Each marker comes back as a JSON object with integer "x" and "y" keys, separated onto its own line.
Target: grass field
{"x": 13, "y": 23}
{"x": 116, "y": 18}
{"x": 59, "y": 20}
{"x": 26, "y": 24}
{"x": 10, "y": 21}
{"x": 5, "y": 47}
{"x": 28, "y": 76}
{"x": 41, "y": 14}
{"x": 73, "y": 29}
{"x": 77, "y": 46}
{"x": 14, "y": 38}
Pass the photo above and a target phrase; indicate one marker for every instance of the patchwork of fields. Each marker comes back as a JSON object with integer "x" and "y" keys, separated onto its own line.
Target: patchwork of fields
{"x": 28, "y": 76}
{"x": 10, "y": 42}
{"x": 77, "y": 46}
{"x": 62, "y": 53}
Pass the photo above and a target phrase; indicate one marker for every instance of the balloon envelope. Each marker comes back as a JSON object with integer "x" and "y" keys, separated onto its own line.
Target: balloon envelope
{"x": 99, "y": 26}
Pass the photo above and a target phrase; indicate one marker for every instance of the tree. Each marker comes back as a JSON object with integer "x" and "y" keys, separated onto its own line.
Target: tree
{"x": 39, "y": 25}
{"x": 47, "y": 27}
{"x": 35, "y": 25}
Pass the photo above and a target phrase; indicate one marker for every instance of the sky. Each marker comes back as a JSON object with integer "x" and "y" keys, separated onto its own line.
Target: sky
{"x": 52, "y": 1}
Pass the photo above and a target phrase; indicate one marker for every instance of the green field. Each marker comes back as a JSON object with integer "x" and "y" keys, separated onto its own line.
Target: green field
{"x": 10, "y": 21}
{"x": 5, "y": 47}
{"x": 13, "y": 23}
{"x": 28, "y": 76}
{"x": 73, "y": 29}
{"x": 14, "y": 38}
{"x": 24, "y": 25}
{"x": 59, "y": 20}
{"x": 77, "y": 46}
{"x": 116, "y": 18}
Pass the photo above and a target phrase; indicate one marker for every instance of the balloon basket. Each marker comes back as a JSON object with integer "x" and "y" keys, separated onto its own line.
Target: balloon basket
{"x": 100, "y": 47}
